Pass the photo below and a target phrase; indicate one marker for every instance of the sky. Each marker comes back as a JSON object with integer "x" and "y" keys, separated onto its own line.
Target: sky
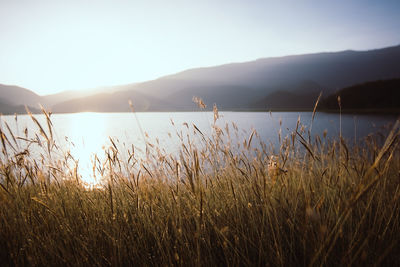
{"x": 50, "y": 46}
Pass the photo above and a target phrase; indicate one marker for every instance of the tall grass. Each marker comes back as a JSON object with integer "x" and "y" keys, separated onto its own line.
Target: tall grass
{"x": 212, "y": 203}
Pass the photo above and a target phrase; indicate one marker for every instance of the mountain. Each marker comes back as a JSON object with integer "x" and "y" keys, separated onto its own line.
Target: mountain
{"x": 15, "y": 95}
{"x": 64, "y": 96}
{"x": 10, "y": 109}
{"x": 291, "y": 82}
{"x": 280, "y": 83}
{"x": 383, "y": 95}
{"x": 13, "y": 99}
{"x": 302, "y": 97}
{"x": 115, "y": 102}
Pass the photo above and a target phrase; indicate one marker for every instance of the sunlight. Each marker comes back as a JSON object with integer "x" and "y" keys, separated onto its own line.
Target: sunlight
{"x": 87, "y": 140}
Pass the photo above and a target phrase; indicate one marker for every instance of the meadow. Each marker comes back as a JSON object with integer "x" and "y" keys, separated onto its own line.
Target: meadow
{"x": 218, "y": 202}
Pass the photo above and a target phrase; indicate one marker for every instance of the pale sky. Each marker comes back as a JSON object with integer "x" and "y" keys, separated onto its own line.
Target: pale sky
{"x": 53, "y": 45}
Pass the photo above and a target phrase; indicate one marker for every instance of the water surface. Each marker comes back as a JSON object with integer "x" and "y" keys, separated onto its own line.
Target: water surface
{"x": 85, "y": 134}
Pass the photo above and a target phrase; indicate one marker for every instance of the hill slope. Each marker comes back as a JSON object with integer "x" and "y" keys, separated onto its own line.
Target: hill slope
{"x": 115, "y": 102}
{"x": 10, "y": 109}
{"x": 383, "y": 95}
{"x": 13, "y": 99}
{"x": 16, "y": 95}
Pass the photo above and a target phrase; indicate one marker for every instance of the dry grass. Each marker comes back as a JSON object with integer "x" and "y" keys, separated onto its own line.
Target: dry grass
{"x": 213, "y": 203}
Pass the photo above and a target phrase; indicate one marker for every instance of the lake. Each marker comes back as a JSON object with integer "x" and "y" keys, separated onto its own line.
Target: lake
{"x": 87, "y": 134}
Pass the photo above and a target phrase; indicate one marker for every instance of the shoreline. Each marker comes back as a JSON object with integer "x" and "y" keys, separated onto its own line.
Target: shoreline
{"x": 343, "y": 111}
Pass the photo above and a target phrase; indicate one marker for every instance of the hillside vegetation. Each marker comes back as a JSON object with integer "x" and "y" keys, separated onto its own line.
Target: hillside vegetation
{"x": 383, "y": 95}
{"x": 215, "y": 202}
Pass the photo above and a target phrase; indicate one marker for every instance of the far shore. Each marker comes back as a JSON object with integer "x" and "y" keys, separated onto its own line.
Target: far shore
{"x": 343, "y": 111}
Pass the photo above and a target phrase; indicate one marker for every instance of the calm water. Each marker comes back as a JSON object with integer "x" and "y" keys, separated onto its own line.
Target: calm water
{"x": 86, "y": 134}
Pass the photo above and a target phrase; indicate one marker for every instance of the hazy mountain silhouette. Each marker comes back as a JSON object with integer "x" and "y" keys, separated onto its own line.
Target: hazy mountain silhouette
{"x": 284, "y": 83}
{"x": 56, "y": 98}
{"x": 383, "y": 95}
{"x": 15, "y": 95}
{"x": 9, "y": 109}
{"x": 13, "y": 99}
{"x": 291, "y": 82}
{"x": 115, "y": 102}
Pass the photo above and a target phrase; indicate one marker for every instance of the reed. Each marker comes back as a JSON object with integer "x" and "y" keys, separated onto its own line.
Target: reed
{"x": 212, "y": 203}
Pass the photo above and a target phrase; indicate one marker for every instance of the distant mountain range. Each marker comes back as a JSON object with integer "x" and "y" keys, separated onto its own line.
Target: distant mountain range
{"x": 280, "y": 83}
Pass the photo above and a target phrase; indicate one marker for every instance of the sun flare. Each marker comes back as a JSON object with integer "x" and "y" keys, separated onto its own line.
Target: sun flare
{"x": 87, "y": 139}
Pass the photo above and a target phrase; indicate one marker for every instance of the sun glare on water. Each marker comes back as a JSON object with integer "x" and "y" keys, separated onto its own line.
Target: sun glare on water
{"x": 87, "y": 139}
